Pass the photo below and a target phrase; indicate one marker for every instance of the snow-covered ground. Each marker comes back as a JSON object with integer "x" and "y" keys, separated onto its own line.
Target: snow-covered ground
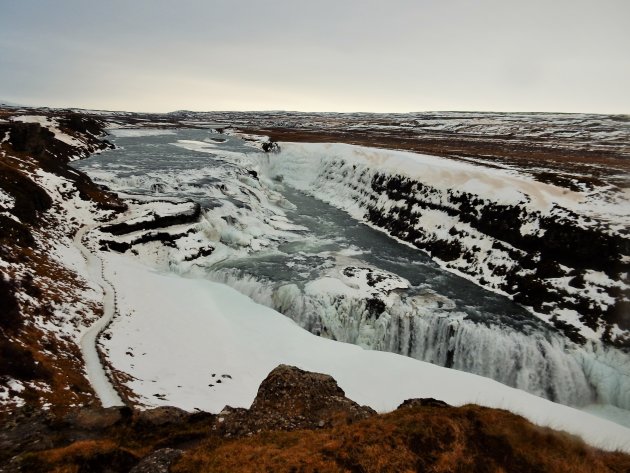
{"x": 93, "y": 367}
{"x": 196, "y": 344}
{"x": 54, "y": 287}
{"x": 193, "y": 343}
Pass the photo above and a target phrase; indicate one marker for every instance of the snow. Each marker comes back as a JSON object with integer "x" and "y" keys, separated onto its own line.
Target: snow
{"x": 174, "y": 333}
{"x": 6, "y": 200}
{"x": 9, "y": 393}
{"x": 425, "y": 326}
{"x": 370, "y": 280}
{"x": 619, "y": 416}
{"x": 201, "y": 146}
{"x": 95, "y": 371}
{"x": 344, "y": 175}
{"x": 490, "y": 183}
{"x": 151, "y": 211}
{"x": 69, "y": 312}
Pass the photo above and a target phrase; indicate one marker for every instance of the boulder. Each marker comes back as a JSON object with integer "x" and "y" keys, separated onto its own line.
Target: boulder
{"x": 423, "y": 402}
{"x": 290, "y": 399}
{"x": 163, "y": 415}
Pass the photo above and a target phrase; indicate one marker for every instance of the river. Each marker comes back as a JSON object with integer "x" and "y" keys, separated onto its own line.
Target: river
{"x": 314, "y": 265}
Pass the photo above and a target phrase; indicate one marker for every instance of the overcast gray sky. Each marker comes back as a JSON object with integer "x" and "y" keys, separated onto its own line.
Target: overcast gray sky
{"x": 342, "y": 55}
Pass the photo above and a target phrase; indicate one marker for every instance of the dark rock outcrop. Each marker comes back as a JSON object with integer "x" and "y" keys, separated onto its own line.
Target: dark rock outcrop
{"x": 290, "y": 399}
{"x": 421, "y": 435}
{"x": 422, "y": 402}
{"x": 270, "y": 147}
{"x": 167, "y": 239}
{"x": 155, "y": 221}
{"x": 97, "y": 418}
{"x": 164, "y": 415}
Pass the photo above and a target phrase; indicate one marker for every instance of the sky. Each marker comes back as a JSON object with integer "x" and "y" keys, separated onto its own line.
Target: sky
{"x": 342, "y": 55}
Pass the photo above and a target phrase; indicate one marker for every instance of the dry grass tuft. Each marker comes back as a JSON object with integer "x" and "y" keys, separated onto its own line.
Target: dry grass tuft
{"x": 82, "y": 456}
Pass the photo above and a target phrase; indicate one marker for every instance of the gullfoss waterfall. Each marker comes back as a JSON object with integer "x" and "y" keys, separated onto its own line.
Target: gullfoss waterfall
{"x": 269, "y": 231}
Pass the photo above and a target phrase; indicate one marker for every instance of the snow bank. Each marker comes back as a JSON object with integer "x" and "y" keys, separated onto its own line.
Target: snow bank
{"x": 201, "y": 345}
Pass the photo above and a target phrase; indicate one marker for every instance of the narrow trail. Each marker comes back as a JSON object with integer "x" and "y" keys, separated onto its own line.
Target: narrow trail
{"x": 95, "y": 371}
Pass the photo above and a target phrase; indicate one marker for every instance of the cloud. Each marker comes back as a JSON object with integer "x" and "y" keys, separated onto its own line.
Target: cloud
{"x": 158, "y": 55}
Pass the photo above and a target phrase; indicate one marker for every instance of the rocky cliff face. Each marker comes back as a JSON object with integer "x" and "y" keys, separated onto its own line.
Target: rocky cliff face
{"x": 550, "y": 262}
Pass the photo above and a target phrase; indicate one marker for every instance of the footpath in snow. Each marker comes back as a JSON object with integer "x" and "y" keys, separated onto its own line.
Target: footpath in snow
{"x": 96, "y": 373}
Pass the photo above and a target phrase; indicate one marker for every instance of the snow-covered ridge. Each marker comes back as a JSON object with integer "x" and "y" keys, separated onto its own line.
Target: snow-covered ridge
{"x": 575, "y": 132}
{"x": 558, "y": 251}
{"x": 51, "y": 124}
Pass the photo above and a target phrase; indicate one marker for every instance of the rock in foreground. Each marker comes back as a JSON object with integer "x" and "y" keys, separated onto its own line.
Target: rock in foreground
{"x": 299, "y": 421}
{"x": 291, "y": 399}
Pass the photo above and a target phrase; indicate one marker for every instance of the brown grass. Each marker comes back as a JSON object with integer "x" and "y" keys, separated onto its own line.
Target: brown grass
{"x": 418, "y": 439}
{"x": 464, "y": 439}
{"x": 49, "y": 284}
{"x": 81, "y": 456}
{"x": 59, "y": 381}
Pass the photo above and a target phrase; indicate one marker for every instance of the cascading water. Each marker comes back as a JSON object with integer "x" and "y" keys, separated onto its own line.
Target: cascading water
{"x": 540, "y": 362}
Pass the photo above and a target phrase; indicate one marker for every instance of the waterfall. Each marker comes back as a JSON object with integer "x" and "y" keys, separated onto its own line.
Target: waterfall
{"x": 544, "y": 364}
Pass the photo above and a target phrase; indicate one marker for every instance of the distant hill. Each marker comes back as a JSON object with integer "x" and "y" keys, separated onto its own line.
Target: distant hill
{"x": 8, "y": 103}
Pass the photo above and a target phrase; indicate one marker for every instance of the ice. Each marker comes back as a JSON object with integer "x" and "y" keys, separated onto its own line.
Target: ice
{"x": 202, "y": 146}
{"x": 139, "y": 132}
{"x": 539, "y": 363}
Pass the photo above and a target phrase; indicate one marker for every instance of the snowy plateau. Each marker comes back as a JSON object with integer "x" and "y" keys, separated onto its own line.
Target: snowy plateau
{"x": 215, "y": 247}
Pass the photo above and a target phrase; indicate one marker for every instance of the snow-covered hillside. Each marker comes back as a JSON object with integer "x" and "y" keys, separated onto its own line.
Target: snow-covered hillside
{"x": 218, "y": 210}
{"x": 48, "y": 296}
{"x": 186, "y": 341}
